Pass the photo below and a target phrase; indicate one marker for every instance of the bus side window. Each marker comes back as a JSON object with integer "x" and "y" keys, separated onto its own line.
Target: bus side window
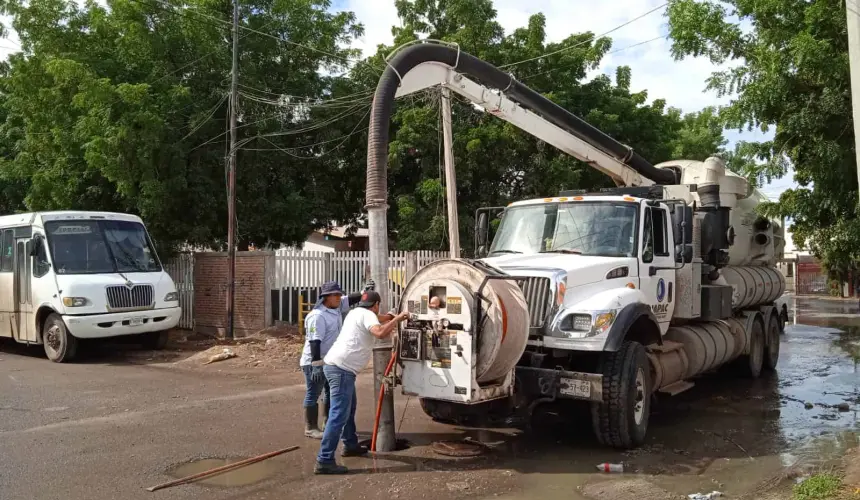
{"x": 7, "y": 246}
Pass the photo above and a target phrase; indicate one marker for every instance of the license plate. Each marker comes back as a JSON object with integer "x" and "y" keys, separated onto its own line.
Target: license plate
{"x": 135, "y": 321}
{"x": 575, "y": 388}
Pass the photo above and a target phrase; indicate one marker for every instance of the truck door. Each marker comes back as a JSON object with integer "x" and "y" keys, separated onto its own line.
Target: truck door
{"x": 657, "y": 273}
{"x": 26, "y": 324}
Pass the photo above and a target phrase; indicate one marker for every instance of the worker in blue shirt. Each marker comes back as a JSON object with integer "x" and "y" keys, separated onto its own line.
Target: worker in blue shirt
{"x": 322, "y": 326}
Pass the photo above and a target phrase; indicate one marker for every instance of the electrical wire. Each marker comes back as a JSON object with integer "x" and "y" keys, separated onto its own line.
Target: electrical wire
{"x": 318, "y": 156}
{"x": 563, "y": 49}
{"x": 206, "y": 120}
{"x": 168, "y": 6}
{"x": 301, "y": 130}
{"x": 622, "y": 49}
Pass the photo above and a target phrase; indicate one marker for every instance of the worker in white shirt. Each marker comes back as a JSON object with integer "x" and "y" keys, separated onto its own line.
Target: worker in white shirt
{"x": 349, "y": 355}
{"x": 322, "y": 327}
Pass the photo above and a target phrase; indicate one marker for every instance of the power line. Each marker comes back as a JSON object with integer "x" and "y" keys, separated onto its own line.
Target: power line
{"x": 563, "y": 49}
{"x": 269, "y": 35}
{"x": 316, "y": 157}
{"x": 622, "y": 49}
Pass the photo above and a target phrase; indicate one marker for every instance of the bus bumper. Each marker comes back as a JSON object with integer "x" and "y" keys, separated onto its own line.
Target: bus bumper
{"x": 100, "y": 326}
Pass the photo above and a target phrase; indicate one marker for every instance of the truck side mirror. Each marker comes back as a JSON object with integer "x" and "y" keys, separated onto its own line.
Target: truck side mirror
{"x": 682, "y": 224}
{"x": 684, "y": 254}
{"x": 483, "y": 228}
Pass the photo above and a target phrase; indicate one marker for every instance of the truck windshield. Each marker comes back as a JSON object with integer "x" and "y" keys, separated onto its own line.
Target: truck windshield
{"x": 100, "y": 246}
{"x": 605, "y": 228}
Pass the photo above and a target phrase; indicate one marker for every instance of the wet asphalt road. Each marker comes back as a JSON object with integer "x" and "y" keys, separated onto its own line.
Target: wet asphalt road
{"x": 108, "y": 429}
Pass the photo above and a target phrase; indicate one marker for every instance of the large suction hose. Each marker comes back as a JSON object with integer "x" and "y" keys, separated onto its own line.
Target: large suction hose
{"x": 491, "y": 76}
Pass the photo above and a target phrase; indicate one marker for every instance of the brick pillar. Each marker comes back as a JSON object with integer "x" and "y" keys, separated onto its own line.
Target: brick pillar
{"x": 252, "y": 311}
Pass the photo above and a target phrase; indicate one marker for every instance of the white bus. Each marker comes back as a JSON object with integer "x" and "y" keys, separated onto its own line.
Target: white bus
{"x": 66, "y": 276}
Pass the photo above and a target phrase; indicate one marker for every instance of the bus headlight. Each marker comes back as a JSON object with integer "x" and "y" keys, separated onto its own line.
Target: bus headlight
{"x": 75, "y": 301}
{"x": 172, "y": 297}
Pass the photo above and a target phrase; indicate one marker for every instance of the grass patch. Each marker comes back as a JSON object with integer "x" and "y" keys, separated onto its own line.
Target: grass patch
{"x": 818, "y": 487}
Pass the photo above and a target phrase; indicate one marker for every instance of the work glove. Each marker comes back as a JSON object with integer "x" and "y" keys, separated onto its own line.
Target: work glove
{"x": 317, "y": 375}
{"x": 369, "y": 286}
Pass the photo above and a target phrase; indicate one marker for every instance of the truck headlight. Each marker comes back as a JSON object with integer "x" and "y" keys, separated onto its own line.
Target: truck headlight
{"x": 595, "y": 323}
{"x": 603, "y": 322}
{"x": 172, "y": 297}
{"x": 75, "y": 301}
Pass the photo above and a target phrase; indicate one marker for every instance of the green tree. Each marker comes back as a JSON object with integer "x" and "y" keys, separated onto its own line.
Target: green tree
{"x": 788, "y": 64}
{"x": 124, "y": 107}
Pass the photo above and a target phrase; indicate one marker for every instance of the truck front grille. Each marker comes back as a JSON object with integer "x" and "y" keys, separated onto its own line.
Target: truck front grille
{"x": 123, "y": 297}
{"x": 539, "y": 297}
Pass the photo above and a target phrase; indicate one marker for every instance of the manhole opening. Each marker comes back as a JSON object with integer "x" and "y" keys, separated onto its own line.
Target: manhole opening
{"x": 399, "y": 444}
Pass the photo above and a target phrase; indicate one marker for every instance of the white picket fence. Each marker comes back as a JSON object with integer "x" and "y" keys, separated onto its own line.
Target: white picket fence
{"x": 300, "y": 274}
{"x": 181, "y": 269}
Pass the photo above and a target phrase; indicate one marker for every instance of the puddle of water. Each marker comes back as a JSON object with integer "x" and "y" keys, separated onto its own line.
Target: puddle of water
{"x": 242, "y": 476}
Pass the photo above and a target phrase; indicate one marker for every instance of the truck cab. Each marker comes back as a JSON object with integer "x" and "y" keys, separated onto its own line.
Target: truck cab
{"x": 591, "y": 259}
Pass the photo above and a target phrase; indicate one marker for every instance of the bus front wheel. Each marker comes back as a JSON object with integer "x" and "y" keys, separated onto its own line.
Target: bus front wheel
{"x": 60, "y": 345}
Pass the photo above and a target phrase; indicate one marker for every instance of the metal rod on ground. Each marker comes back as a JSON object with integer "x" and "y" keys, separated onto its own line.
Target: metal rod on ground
{"x": 221, "y": 470}
{"x": 450, "y": 176}
{"x": 231, "y": 180}
{"x": 853, "y": 18}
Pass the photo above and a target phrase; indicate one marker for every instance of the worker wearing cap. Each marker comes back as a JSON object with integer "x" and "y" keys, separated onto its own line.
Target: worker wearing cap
{"x": 322, "y": 326}
{"x": 349, "y": 355}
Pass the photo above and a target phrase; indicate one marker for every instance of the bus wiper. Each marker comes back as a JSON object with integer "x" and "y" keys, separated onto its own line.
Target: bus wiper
{"x": 504, "y": 251}
{"x": 563, "y": 250}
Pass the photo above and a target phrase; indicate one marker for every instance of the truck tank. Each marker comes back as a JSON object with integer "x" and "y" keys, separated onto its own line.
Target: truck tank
{"x": 756, "y": 240}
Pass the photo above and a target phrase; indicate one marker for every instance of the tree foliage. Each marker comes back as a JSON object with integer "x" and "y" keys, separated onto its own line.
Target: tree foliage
{"x": 788, "y": 65}
{"x": 124, "y": 107}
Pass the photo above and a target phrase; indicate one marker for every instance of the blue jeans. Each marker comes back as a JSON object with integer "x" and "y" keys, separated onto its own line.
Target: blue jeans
{"x": 313, "y": 391}
{"x": 341, "y": 418}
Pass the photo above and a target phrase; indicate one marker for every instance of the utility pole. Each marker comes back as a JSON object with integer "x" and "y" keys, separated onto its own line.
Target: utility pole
{"x": 853, "y": 18}
{"x": 450, "y": 176}
{"x": 231, "y": 177}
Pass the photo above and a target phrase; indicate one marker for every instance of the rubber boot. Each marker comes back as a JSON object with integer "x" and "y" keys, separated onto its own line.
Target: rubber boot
{"x": 326, "y": 407}
{"x": 311, "y": 419}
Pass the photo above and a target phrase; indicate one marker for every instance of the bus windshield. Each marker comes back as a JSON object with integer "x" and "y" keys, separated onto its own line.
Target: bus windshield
{"x": 604, "y": 228}
{"x": 100, "y": 246}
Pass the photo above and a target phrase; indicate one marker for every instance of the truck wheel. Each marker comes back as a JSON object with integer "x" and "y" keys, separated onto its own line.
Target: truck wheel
{"x": 60, "y": 345}
{"x": 621, "y": 420}
{"x": 771, "y": 353}
{"x": 752, "y": 363}
{"x": 154, "y": 340}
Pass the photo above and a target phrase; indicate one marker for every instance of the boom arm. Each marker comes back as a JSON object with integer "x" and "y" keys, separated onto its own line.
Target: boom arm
{"x": 429, "y": 74}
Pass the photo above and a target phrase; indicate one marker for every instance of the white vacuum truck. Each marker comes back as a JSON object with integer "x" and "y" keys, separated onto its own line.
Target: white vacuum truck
{"x": 607, "y": 297}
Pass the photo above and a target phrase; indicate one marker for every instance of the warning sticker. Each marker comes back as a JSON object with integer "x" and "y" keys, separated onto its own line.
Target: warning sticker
{"x": 455, "y": 305}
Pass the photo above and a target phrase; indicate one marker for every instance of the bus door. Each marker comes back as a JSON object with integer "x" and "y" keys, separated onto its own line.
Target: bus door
{"x": 26, "y": 324}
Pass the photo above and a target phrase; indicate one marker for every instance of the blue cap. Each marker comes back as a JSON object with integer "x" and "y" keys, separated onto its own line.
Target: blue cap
{"x": 330, "y": 288}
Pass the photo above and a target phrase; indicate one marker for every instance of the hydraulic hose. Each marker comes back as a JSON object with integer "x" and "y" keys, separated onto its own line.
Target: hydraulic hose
{"x": 490, "y": 76}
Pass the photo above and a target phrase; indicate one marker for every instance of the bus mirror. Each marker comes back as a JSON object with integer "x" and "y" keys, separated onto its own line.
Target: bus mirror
{"x": 36, "y": 245}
